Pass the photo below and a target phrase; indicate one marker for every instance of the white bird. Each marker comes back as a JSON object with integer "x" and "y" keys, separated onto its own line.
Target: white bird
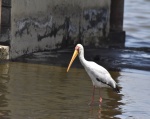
{"x": 99, "y": 75}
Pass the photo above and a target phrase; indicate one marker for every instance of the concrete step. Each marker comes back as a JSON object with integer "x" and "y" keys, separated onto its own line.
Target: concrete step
{"x": 4, "y": 52}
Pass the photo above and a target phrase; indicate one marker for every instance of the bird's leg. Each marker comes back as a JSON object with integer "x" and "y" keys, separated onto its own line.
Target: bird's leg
{"x": 92, "y": 100}
{"x": 100, "y": 99}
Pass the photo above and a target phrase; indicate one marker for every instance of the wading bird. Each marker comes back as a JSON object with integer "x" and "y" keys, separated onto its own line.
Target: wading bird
{"x": 99, "y": 75}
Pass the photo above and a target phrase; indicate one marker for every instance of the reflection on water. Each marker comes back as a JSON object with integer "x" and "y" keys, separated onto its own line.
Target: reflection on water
{"x": 4, "y": 79}
{"x": 136, "y": 23}
{"x": 32, "y": 91}
{"x": 136, "y": 93}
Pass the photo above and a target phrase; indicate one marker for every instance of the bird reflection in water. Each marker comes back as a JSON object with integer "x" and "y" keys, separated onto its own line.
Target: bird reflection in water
{"x": 95, "y": 113}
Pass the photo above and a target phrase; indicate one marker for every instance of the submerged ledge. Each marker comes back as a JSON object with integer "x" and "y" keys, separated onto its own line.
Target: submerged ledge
{"x": 110, "y": 58}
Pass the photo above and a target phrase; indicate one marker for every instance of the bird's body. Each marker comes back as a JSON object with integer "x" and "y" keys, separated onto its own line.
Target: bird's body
{"x": 99, "y": 75}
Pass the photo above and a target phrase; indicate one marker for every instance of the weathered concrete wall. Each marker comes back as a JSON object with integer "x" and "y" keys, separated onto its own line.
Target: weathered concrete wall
{"x": 38, "y": 25}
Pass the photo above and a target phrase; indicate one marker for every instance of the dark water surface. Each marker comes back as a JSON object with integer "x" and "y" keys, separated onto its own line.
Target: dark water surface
{"x": 36, "y": 91}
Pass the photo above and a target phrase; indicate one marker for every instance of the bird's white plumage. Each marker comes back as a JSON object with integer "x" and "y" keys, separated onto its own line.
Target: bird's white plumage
{"x": 98, "y": 74}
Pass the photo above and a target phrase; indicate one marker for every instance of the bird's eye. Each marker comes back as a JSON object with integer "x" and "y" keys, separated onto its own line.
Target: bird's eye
{"x": 77, "y": 48}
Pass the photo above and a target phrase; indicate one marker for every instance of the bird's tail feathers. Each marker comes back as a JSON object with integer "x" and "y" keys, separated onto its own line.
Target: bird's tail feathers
{"x": 117, "y": 89}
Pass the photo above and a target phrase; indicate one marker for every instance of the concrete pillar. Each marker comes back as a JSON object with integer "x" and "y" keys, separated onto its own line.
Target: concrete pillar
{"x": 117, "y": 35}
{"x": 116, "y": 15}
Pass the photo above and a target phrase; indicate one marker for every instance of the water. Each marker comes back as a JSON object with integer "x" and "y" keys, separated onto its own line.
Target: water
{"x": 137, "y": 23}
{"x": 36, "y": 91}
{"x": 135, "y": 89}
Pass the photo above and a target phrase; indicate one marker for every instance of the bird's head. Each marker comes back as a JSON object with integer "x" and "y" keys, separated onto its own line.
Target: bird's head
{"x": 78, "y": 50}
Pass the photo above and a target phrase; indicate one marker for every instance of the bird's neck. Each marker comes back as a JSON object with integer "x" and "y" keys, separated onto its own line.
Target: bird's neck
{"x": 82, "y": 59}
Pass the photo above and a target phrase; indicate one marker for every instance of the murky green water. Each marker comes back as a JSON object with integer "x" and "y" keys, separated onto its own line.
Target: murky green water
{"x": 35, "y": 91}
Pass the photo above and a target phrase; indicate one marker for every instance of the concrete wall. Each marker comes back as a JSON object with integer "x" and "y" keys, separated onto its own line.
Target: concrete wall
{"x": 38, "y": 25}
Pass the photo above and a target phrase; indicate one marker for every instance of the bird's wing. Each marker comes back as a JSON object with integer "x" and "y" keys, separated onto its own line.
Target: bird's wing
{"x": 101, "y": 74}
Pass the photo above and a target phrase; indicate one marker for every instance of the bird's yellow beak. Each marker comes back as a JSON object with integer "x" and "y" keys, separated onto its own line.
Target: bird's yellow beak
{"x": 72, "y": 59}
